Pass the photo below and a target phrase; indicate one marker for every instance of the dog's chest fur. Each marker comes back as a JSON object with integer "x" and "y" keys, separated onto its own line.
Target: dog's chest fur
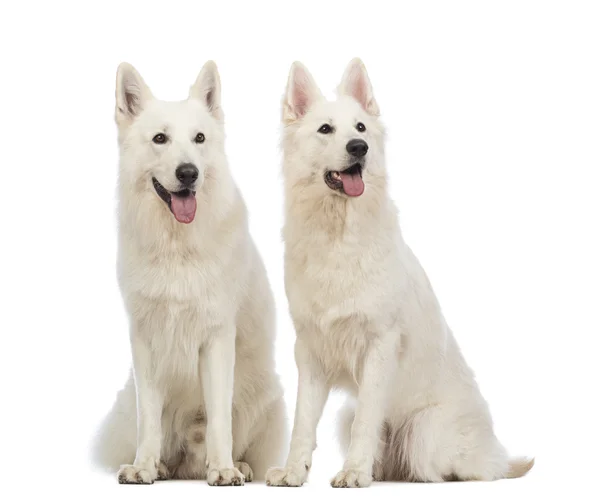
{"x": 190, "y": 282}
{"x": 179, "y": 292}
{"x": 341, "y": 286}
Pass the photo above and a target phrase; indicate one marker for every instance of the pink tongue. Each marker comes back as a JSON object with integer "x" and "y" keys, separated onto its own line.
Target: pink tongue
{"x": 184, "y": 208}
{"x": 353, "y": 184}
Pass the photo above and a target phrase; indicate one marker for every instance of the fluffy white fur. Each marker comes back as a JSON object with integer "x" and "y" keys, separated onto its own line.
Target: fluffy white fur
{"x": 366, "y": 317}
{"x": 198, "y": 301}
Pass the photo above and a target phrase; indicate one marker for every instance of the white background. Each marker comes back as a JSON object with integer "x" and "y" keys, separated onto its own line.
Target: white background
{"x": 493, "y": 116}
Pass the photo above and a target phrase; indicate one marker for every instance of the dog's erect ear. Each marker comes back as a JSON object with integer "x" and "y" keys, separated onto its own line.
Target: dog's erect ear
{"x": 131, "y": 93}
{"x": 356, "y": 83}
{"x": 207, "y": 89}
{"x": 301, "y": 93}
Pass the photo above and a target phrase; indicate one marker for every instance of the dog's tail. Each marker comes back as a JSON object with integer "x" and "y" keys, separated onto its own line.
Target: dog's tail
{"x": 519, "y": 466}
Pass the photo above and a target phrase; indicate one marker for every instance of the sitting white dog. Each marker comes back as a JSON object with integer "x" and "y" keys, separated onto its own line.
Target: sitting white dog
{"x": 198, "y": 300}
{"x": 366, "y": 317}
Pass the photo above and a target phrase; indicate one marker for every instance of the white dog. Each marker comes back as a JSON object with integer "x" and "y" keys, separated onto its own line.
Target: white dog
{"x": 198, "y": 300}
{"x": 365, "y": 314}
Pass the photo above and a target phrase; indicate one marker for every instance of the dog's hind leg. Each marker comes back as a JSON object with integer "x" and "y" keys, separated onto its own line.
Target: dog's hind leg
{"x": 267, "y": 446}
{"x": 441, "y": 443}
{"x": 115, "y": 441}
{"x": 344, "y": 425}
{"x": 192, "y": 464}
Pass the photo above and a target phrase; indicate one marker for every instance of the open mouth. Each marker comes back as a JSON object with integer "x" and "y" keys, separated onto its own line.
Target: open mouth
{"x": 182, "y": 204}
{"x": 348, "y": 181}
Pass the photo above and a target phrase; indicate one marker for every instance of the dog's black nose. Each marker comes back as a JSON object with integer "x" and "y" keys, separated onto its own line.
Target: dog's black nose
{"x": 357, "y": 147}
{"x": 187, "y": 174}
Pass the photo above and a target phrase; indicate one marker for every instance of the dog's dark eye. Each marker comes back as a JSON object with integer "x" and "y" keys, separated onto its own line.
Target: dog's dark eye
{"x": 160, "y": 139}
{"x": 325, "y": 129}
{"x": 360, "y": 127}
{"x": 199, "y": 138}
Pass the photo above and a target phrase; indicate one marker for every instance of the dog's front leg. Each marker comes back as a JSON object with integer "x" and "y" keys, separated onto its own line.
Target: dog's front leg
{"x": 313, "y": 390}
{"x": 217, "y": 360}
{"x": 369, "y": 416}
{"x": 149, "y": 405}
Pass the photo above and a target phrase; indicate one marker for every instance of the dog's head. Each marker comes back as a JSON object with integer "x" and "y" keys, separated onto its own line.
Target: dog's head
{"x": 167, "y": 147}
{"x": 335, "y": 145}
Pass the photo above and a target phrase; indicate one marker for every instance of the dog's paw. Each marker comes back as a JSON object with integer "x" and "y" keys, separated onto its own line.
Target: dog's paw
{"x": 163, "y": 473}
{"x": 136, "y": 475}
{"x": 378, "y": 473}
{"x": 352, "y": 478}
{"x": 225, "y": 477}
{"x": 286, "y": 476}
{"x": 246, "y": 470}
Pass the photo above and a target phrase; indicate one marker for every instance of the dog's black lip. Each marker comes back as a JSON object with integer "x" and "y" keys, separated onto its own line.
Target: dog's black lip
{"x": 356, "y": 168}
{"x": 162, "y": 192}
{"x": 165, "y": 195}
